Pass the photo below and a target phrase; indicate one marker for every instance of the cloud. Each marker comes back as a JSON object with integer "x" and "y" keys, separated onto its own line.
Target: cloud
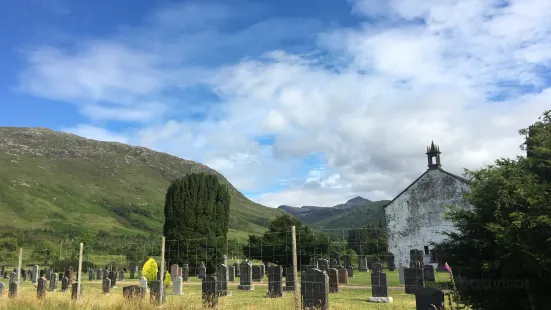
{"x": 369, "y": 97}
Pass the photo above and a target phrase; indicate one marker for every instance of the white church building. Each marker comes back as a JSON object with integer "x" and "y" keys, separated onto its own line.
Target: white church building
{"x": 415, "y": 218}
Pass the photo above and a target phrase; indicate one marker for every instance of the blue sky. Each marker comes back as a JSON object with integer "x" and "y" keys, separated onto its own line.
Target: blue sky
{"x": 298, "y": 103}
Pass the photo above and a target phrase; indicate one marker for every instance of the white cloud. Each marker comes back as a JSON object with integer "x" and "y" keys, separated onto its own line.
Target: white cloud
{"x": 369, "y": 99}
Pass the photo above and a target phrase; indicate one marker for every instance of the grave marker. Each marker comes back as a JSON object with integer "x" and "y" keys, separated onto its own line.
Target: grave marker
{"x": 275, "y": 282}
{"x": 379, "y": 288}
{"x": 314, "y": 289}
{"x": 246, "y": 278}
{"x": 209, "y": 291}
{"x": 333, "y": 280}
{"x": 429, "y": 298}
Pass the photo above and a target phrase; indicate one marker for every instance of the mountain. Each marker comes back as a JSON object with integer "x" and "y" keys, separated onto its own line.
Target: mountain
{"x": 57, "y": 180}
{"x": 355, "y": 213}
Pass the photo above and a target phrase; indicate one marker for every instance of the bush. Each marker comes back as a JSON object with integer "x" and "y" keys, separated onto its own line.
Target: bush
{"x": 150, "y": 270}
{"x": 168, "y": 280}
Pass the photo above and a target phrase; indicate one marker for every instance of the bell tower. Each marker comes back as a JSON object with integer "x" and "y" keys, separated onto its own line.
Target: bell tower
{"x": 433, "y": 156}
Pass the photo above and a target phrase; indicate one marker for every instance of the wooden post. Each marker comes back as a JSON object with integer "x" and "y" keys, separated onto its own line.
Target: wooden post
{"x": 79, "y": 271}
{"x": 19, "y": 270}
{"x": 161, "y": 301}
{"x": 295, "y": 269}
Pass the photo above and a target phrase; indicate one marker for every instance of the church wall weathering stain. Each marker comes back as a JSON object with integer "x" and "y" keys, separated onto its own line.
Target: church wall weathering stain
{"x": 415, "y": 218}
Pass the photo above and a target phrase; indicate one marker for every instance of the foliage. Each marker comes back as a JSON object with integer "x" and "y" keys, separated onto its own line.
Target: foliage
{"x": 197, "y": 211}
{"x": 8, "y": 250}
{"x": 275, "y": 245}
{"x": 506, "y": 236}
{"x": 168, "y": 279}
{"x": 150, "y": 270}
{"x": 371, "y": 240}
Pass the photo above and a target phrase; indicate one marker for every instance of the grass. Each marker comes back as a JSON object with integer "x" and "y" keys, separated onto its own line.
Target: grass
{"x": 351, "y": 297}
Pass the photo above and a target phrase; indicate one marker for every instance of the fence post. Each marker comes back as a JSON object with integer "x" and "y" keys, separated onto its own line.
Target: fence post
{"x": 295, "y": 269}
{"x": 19, "y": 270}
{"x": 79, "y": 271}
{"x": 161, "y": 301}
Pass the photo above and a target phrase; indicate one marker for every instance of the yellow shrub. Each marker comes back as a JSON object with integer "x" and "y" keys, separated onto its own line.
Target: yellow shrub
{"x": 150, "y": 270}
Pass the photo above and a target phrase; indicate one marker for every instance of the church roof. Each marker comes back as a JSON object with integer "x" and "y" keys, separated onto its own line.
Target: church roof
{"x": 442, "y": 170}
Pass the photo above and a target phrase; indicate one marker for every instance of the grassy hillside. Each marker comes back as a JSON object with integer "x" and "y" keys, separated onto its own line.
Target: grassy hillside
{"x": 56, "y": 180}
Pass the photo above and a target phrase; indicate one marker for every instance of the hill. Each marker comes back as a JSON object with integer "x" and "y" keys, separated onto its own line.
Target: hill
{"x": 355, "y": 213}
{"x": 57, "y": 180}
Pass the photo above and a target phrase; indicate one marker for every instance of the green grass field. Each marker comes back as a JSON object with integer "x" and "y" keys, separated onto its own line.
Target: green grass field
{"x": 352, "y": 296}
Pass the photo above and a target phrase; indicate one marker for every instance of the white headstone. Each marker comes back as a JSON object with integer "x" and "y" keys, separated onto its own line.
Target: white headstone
{"x": 177, "y": 285}
{"x": 401, "y": 274}
{"x": 143, "y": 283}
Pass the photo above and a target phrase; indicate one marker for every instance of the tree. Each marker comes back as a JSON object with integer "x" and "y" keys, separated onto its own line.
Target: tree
{"x": 197, "y": 210}
{"x": 275, "y": 245}
{"x": 150, "y": 270}
{"x": 369, "y": 240}
{"x": 504, "y": 242}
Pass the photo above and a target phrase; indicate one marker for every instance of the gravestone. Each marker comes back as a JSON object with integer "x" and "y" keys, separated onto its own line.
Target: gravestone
{"x": 48, "y": 274}
{"x": 377, "y": 267}
{"x": 236, "y": 266}
{"x": 174, "y": 268}
{"x": 337, "y": 257}
{"x": 13, "y": 288}
{"x": 106, "y": 286}
{"x": 69, "y": 275}
{"x": 314, "y": 289}
{"x": 428, "y": 273}
{"x": 1, "y": 289}
{"x": 121, "y": 275}
{"x": 323, "y": 264}
{"x": 275, "y": 282}
{"x": 222, "y": 278}
{"x": 225, "y": 260}
{"x": 185, "y": 272}
{"x": 413, "y": 280}
{"x": 90, "y": 275}
{"x": 64, "y": 284}
{"x": 202, "y": 271}
{"x": 105, "y": 274}
{"x": 333, "y": 280}
{"x": 143, "y": 283}
{"x": 53, "y": 282}
{"x": 362, "y": 264}
{"x": 429, "y": 298}
{"x": 343, "y": 275}
{"x": 347, "y": 261}
{"x": 290, "y": 279}
{"x": 416, "y": 256}
{"x": 231, "y": 273}
{"x": 401, "y": 274}
{"x": 209, "y": 291}
{"x": 257, "y": 273}
{"x": 246, "y": 278}
{"x": 24, "y": 275}
{"x": 74, "y": 288}
{"x": 41, "y": 287}
{"x": 262, "y": 272}
{"x": 390, "y": 260}
{"x": 139, "y": 273}
{"x": 379, "y": 288}
{"x": 132, "y": 272}
{"x": 177, "y": 285}
{"x": 350, "y": 270}
{"x": 333, "y": 263}
{"x": 155, "y": 292}
{"x": 34, "y": 277}
{"x": 99, "y": 274}
{"x": 113, "y": 276}
{"x": 133, "y": 292}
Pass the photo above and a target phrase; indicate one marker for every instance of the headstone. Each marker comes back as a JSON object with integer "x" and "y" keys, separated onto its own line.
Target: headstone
{"x": 132, "y": 272}
{"x": 379, "y": 288}
{"x": 24, "y": 275}
{"x": 231, "y": 273}
{"x": 350, "y": 270}
{"x": 314, "y": 289}
{"x": 133, "y": 291}
{"x": 34, "y": 277}
{"x": 41, "y": 287}
{"x": 64, "y": 284}
{"x": 174, "y": 270}
{"x": 225, "y": 260}
{"x": 257, "y": 273}
{"x": 209, "y": 291}
{"x": 413, "y": 280}
{"x": 262, "y": 271}
{"x": 362, "y": 264}
{"x": 236, "y": 266}
{"x": 390, "y": 261}
{"x": 113, "y": 276}
{"x": 106, "y": 286}
{"x": 143, "y": 283}
{"x": 337, "y": 257}
{"x": 74, "y": 288}
{"x": 139, "y": 273}
{"x": 90, "y": 275}
{"x": 290, "y": 279}
{"x": 333, "y": 263}
{"x": 377, "y": 267}
{"x": 333, "y": 280}
{"x": 53, "y": 282}
{"x": 13, "y": 288}
{"x": 323, "y": 264}
{"x": 99, "y": 274}
{"x": 177, "y": 285}
{"x": 202, "y": 271}
{"x": 70, "y": 275}
{"x": 185, "y": 272}
{"x": 401, "y": 274}
{"x": 246, "y": 278}
{"x": 428, "y": 273}
{"x": 343, "y": 275}
{"x": 1, "y": 289}
{"x": 347, "y": 261}
{"x": 222, "y": 278}
{"x": 105, "y": 274}
{"x": 48, "y": 274}
{"x": 155, "y": 292}
{"x": 429, "y": 298}
{"x": 275, "y": 282}
{"x": 121, "y": 275}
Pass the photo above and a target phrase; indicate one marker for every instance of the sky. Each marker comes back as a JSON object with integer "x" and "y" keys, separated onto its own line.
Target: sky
{"x": 309, "y": 102}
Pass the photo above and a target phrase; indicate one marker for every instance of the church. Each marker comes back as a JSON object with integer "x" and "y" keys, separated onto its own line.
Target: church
{"x": 415, "y": 218}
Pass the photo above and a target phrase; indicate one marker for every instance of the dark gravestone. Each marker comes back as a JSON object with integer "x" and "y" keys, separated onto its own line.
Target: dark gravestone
{"x": 428, "y": 273}
{"x": 105, "y": 274}
{"x": 185, "y": 272}
{"x": 290, "y": 279}
{"x": 201, "y": 271}
{"x": 350, "y": 270}
{"x": 416, "y": 256}
{"x": 74, "y": 289}
{"x": 155, "y": 295}
{"x": 53, "y": 282}
{"x": 413, "y": 278}
{"x": 343, "y": 275}
{"x": 231, "y": 273}
{"x": 429, "y": 298}
{"x": 275, "y": 282}
{"x": 132, "y": 270}
{"x": 64, "y": 284}
{"x": 90, "y": 275}
{"x": 323, "y": 264}
{"x": 61, "y": 275}
{"x": 379, "y": 284}
{"x": 209, "y": 291}
{"x": 257, "y": 273}
{"x": 333, "y": 263}
{"x": 13, "y": 288}
{"x": 222, "y": 279}
{"x": 390, "y": 260}
{"x": 347, "y": 261}
{"x": 133, "y": 292}
{"x": 314, "y": 290}
{"x": 337, "y": 257}
{"x": 113, "y": 276}
{"x": 106, "y": 286}
{"x": 246, "y": 278}
{"x": 98, "y": 274}
{"x": 333, "y": 280}
{"x": 41, "y": 287}
{"x": 377, "y": 267}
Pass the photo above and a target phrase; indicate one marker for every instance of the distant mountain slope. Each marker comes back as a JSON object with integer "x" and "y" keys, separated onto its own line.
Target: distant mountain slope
{"x": 355, "y": 213}
{"x": 56, "y": 180}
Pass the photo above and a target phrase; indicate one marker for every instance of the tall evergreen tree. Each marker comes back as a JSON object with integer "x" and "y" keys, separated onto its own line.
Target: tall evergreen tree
{"x": 197, "y": 210}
